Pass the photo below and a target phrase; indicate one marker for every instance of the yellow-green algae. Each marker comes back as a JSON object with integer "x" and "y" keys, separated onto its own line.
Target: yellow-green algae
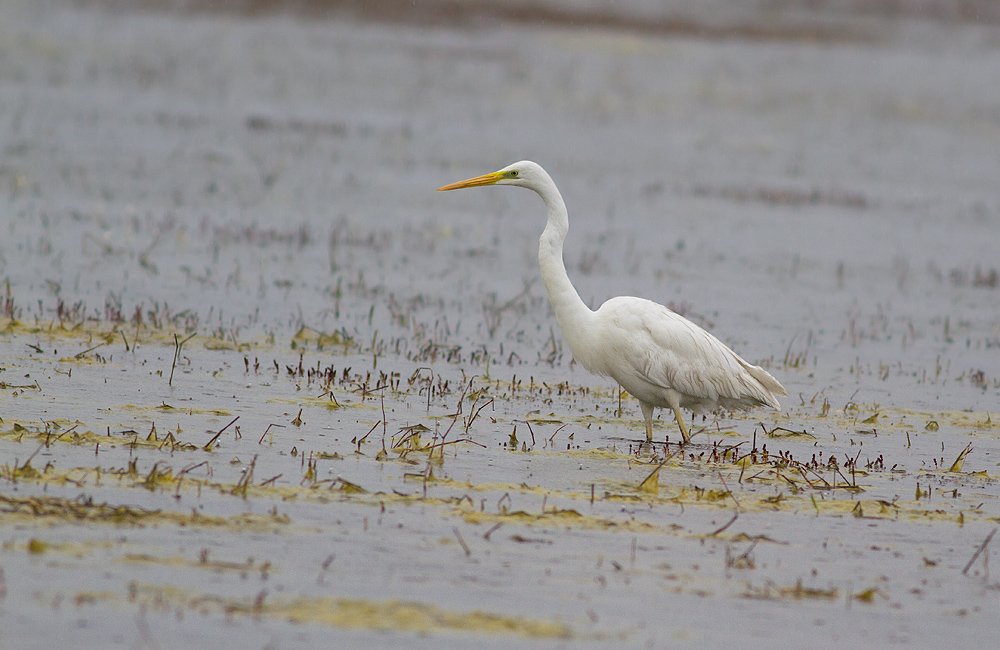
{"x": 95, "y": 331}
{"x": 783, "y": 493}
{"x": 52, "y": 511}
{"x": 203, "y": 562}
{"x": 352, "y": 613}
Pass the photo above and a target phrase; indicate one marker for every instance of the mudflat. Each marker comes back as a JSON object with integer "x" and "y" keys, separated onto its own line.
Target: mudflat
{"x": 261, "y": 385}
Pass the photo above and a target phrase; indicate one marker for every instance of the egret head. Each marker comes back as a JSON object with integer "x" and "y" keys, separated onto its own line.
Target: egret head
{"x": 523, "y": 174}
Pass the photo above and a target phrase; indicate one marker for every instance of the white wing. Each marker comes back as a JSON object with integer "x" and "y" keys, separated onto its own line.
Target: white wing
{"x": 650, "y": 350}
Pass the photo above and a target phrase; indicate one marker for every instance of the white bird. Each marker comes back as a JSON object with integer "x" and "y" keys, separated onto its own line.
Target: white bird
{"x": 659, "y": 357}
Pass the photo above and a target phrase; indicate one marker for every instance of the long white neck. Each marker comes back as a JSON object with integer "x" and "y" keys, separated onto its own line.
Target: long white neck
{"x": 571, "y": 312}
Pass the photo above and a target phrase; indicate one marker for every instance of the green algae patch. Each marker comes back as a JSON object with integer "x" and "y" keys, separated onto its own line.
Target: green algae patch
{"x": 519, "y": 488}
{"x": 38, "y": 545}
{"x": 163, "y": 407}
{"x": 796, "y": 592}
{"x": 878, "y": 419}
{"x": 557, "y": 518}
{"x": 394, "y": 615}
{"x": 95, "y": 332}
{"x": 598, "y": 453}
{"x": 351, "y": 613}
{"x": 203, "y": 562}
{"x": 320, "y": 340}
{"x": 82, "y": 437}
{"x": 51, "y": 511}
{"x": 324, "y": 402}
{"x": 82, "y": 598}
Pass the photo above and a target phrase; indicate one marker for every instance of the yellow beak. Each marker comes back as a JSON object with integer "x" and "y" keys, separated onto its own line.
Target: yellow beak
{"x": 485, "y": 179}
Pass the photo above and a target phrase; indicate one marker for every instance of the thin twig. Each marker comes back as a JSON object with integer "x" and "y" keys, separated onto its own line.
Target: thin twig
{"x": 461, "y": 541}
{"x": 79, "y": 355}
{"x": 730, "y": 492}
{"x": 492, "y": 530}
{"x": 473, "y": 416}
{"x": 268, "y": 429}
{"x": 452, "y": 442}
{"x": 177, "y": 355}
{"x": 727, "y": 525}
{"x": 982, "y": 547}
{"x": 211, "y": 442}
{"x": 658, "y": 468}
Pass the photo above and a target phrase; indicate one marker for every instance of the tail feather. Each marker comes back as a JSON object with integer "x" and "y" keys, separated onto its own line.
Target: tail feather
{"x": 770, "y": 385}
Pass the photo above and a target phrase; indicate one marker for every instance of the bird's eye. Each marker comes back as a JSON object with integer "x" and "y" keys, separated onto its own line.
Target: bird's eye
{"x": 512, "y": 173}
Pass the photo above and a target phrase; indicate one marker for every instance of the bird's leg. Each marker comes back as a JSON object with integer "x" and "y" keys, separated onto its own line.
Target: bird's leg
{"x": 680, "y": 423}
{"x": 647, "y": 415}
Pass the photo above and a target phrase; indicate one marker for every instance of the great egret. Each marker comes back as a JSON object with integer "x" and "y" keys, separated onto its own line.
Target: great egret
{"x": 659, "y": 357}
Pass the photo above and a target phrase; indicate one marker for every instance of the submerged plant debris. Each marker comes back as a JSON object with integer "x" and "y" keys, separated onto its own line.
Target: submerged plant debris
{"x": 259, "y": 387}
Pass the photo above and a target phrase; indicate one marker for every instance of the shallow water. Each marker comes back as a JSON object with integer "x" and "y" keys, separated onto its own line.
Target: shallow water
{"x": 267, "y": 185}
